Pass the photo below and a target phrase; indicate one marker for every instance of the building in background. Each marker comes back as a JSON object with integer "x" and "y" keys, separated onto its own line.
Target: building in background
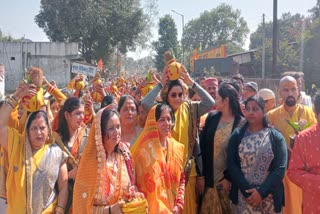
{"x": 54, "y": 58}
{"x": 2, "y": 79}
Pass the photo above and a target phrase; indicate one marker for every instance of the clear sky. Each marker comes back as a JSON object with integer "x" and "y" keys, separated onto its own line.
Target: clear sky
{"x": 17, "y": 16}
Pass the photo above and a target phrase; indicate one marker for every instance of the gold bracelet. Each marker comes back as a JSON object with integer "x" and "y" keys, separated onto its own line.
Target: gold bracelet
{"x": 15, "y": 98}
{"x": 59, "y": 210}
{"x": 12, "y": 102}
{"x": 10, "y": 105}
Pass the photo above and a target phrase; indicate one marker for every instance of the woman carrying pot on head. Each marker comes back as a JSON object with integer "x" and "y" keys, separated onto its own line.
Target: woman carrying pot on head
{"x": 36, "y": 164}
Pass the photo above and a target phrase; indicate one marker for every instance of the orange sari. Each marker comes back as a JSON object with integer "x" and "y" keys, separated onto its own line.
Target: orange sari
{"x": 99, "y": 183}
{"x": 159, "y": 172}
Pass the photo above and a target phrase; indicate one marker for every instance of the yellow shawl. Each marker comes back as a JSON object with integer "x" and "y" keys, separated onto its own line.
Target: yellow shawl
{"x": 157, "y": 173}
{"x": 278, "y": 117}
{"x": 20, "y": 172}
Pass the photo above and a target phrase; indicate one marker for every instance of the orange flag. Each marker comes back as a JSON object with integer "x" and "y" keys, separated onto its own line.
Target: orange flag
{"x": 100, "y": 64}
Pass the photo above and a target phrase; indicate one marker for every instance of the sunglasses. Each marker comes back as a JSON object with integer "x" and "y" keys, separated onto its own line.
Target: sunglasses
{"x": 174, "y": 95}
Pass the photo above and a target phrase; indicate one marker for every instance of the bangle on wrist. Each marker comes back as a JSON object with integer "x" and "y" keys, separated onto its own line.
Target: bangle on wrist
{"x": 15, "y": 98}
{"x": 11, "y": 102}
{"x": 60, "y": 209}
{"x": 192, "y": 84}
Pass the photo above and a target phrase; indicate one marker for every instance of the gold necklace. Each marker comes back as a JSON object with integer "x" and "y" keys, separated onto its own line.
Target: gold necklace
{"x": 115, "y": 180}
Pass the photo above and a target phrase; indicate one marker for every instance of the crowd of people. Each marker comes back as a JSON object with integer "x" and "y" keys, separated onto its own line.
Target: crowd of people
{"x": 159, "y": 145}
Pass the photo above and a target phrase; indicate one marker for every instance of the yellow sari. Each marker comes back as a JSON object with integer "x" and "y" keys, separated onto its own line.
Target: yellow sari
{"x": 180, "y": 134}
{"x": 3, "y": 172}
{"x": 25, "y": 180}
{"x": 159, "y": 173}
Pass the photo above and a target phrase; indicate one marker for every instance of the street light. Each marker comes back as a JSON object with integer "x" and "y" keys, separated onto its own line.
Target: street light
{"x": 182, "y": 16}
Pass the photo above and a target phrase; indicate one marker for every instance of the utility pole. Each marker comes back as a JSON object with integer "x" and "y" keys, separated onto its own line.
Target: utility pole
{"x": 275, "y": 38}
{"x": 182, "y": 16}
{"x": 263, "y": 46}
{"x": 302, "y": 45}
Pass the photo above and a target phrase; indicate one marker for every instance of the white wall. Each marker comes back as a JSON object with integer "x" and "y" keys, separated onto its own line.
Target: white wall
{"x": 53, "y": 58}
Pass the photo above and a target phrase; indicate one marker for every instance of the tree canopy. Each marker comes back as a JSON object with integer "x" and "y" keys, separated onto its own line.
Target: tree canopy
{"x": 221, "y": 25}
{"x": 167, "y": 40}
{"x": 290, "y": 29}
{"x": 99, "y": 26}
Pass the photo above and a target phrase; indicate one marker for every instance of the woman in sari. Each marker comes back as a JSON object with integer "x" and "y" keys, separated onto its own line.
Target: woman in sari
{"x": 185, "y": 130}
{"x": 128, "y": 109}
{"x": 37, "y": 177}
{"x": 213, "y": 141}
{"x": 105, "y": 177}
{"x": 71, "y": 136}
{"x": 257, "y": 159}
{"x": 159, "y": 163}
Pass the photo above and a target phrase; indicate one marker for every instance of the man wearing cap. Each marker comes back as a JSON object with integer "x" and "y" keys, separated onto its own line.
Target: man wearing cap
{"x": 250, "y": 89}
{"x": 290, "y": 110}
{"x": 269, "y": 99}
{"x": 211, "y": 86}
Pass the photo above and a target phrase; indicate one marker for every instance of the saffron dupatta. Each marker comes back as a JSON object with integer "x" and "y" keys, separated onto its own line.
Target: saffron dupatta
{"x": 159, "y": 175}
{"x": 92, "y": 185}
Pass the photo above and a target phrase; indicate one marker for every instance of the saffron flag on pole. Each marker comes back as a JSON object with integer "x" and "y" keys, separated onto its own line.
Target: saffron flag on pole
{"x": 100, "y": 64}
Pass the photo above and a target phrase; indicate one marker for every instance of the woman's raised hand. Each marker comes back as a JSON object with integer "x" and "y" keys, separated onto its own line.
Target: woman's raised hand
{"x": 25, "y": 89}
{"x": 185, "y": 76}
{"x": 164, "y": 78}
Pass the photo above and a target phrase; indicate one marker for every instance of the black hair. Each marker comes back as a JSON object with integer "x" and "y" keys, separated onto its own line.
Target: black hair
{"x": 261, "y": 104}
{"x": 105, "y": 117}
{"x": 316, "y": 102}
{"x": 191, "y": 93}
{"x": 123, "y": 99}
{"x": 2, "y": 102}
{"x": 51, "y": 99}
{"x": 107, "y": 100}
{"x": 172, "y": 84}
{"x": 227, "y": 90}
{"x": 66, "y": 92}
{"x": 238, "y": 77}
{"x": 69, "y": 105}
{"x": 33, "y": 116}
{"x": 160, "y": 107}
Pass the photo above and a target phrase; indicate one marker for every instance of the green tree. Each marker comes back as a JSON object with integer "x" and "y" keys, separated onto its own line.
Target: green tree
{"x": 315, "y": 11}
{"x": 167, "y": 40}
{"x": 8, "y": 38}
{"x": 99, "y": 26}
{"x": 140, "y": 66}
{"x": 289, "y": 50}
{"x": 288, "y": 58}
{"x": 311, "y": 55}
{"x": 289, "y": 29}
{"x": 221, "y": 25}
